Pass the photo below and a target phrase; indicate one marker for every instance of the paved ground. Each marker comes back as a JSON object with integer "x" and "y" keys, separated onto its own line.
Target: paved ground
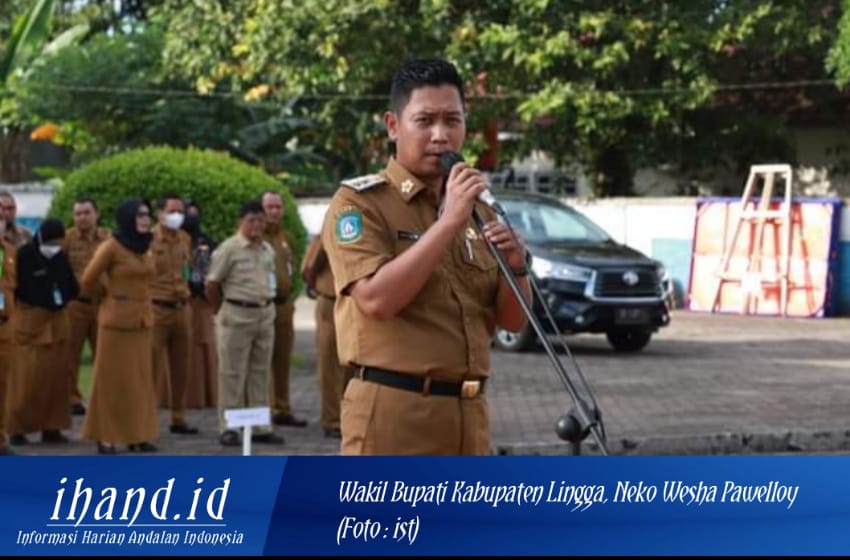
{"x": 708, "y": 384}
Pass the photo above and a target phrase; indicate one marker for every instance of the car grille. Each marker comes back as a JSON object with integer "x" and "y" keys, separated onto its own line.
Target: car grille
{"x": 611, "y": 283}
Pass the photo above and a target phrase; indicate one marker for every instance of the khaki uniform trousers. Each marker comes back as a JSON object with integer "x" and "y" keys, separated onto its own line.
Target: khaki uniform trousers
{"x": 332, "y": 375}
{"x": 83, "y": 325}
{"x": 172, "y": 335}
{"x": 284, "y": 336}
{"x": 245, "y": 338}
{"x": 7, "y": 362}
{"x": 381, "y": 420}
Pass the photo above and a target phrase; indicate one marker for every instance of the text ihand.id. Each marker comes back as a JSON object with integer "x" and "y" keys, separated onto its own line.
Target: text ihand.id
{"x": 132, "y": 501}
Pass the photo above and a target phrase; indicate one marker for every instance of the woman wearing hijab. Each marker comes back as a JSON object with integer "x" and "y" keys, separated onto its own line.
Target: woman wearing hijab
{"x": 122, "y": 406}
{"x": 37, "y": 396}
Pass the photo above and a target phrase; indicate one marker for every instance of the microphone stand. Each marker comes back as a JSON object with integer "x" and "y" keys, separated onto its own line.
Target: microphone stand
{"x": 573, "y": 427}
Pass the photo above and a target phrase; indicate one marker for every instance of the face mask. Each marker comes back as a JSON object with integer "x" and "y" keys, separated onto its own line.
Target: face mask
{"x": 49, "y": 251}
{"x": 174, "y": 220}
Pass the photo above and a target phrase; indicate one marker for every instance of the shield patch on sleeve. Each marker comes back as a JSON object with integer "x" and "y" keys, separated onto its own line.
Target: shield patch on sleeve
{"x": 349, "y": 226}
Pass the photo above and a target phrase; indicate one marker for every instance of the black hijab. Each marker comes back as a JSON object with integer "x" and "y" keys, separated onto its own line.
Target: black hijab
{"x": 125, "y": 226}
{"x": 42, "y": 282}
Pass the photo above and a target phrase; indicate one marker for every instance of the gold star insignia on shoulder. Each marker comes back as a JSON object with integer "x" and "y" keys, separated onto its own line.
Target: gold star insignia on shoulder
{"x": 406, "y": 186}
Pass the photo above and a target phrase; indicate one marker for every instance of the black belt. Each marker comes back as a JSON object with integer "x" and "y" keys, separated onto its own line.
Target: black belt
{"x": 248, "y": 304}
{"x": 280, "y": 300}
{"x": 85, "y": 300}
{"x": 467, "y": 389}
{"x": 169, "y": 304}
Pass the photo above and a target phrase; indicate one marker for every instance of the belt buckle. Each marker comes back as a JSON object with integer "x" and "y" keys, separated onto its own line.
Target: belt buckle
{"x": 470, "y": 389}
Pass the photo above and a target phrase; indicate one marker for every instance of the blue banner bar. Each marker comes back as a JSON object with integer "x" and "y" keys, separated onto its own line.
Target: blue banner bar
{"x": 426, "y": 505}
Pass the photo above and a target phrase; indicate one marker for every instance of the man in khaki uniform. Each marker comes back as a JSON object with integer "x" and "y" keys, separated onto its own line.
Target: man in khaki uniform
{"x": 7, "y": 347}
{"x": 79, "y": 245}
{"x": 172, "y": 252}
{"x": 332, "y": 375}
{"x": 17, "y": 235}
{"x": 240, "y": 288}
{"x": 418, "y": 291}
{"x": 284, "y": 331}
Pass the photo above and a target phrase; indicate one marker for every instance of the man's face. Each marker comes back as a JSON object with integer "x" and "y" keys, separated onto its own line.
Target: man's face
{"x": 431, "y": 123}
{"x": 273, "y": 207}
{"x": 8, "y": 208}
{"x": 252, "y": 226}
{"x": 85, "y": 216}
{"x": 172, "y": 205}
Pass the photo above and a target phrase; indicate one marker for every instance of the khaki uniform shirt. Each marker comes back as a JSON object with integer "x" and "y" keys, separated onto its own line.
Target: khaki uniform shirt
{"x": 445, "y": 332}
{"x": 281, "y": 243}
{"x": 128, "y": 275}
{"x": 316, "y": 260}
{"x": 80, "y": 248}
{"x": 172, "y": 255}
{"x": 8, "y": 277}
{"x": 18, "y": 236}
{"x": 246, "y": 272}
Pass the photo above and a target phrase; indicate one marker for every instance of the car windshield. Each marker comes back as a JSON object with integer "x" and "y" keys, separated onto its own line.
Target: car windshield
{"x": 547, "y": 222}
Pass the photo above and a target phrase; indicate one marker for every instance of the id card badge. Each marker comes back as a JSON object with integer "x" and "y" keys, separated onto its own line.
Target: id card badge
{"x": 273, "y": 282}
{"x": 2, "y": 300}
{"x": 57, "y": 297}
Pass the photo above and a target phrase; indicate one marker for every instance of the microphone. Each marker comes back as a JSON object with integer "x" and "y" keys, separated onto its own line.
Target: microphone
{"x": 448, "y": 160}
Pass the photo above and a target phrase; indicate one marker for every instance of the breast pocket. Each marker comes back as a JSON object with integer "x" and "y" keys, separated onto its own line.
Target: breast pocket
{"x": 474, "y": 254}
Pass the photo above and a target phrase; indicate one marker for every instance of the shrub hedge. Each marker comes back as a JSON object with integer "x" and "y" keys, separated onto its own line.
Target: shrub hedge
{"x": 216, "y": 181}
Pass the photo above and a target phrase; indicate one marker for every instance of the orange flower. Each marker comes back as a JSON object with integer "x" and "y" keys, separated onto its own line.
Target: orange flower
{"x": 46, "y": 132}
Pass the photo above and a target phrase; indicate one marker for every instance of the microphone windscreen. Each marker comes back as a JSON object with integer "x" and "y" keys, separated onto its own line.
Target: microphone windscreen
{"x": 448, "y": 160}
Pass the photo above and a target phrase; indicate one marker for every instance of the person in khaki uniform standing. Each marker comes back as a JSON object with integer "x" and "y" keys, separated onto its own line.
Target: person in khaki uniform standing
{"x": 418, "y": 291}
{"x": 284, "y": 330}
{"x": 81, "y": 241}
{"x": 37, "y": 398}
{"x": 172, "y": 253}
{"x": 14, "y": 234}
{"x": 7, "y": 309}
{"x": 122, "y": 407}
{"x": 241, "y": 288}
{"x": 332, "y": 375}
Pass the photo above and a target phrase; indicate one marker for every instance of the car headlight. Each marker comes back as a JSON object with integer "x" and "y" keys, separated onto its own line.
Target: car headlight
{"x": 543, "y": 268}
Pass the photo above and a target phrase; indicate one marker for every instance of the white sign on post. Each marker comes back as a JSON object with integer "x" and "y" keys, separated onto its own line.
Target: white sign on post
{"x": 246, "y": 418}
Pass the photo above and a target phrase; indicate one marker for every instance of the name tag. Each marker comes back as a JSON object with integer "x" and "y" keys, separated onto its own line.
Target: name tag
{"x": 57, "y": 296}
{"x": 408, "y": 235}
{"x": 272, "y": 282}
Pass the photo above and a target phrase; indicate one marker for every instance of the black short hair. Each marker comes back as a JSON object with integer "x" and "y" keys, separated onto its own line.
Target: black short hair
{"x": 165, "y": 197}
{"x": 83, "y": 199}
{"x": 421, "y": 72}
{"x": 252, "y": 206}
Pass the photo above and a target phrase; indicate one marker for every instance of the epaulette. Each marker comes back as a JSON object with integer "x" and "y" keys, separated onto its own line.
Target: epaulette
{"x": 364, "y": 182}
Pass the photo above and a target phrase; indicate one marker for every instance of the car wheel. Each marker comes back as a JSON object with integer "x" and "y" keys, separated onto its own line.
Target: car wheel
{"x": 628, "y": 340}
{"x": 514, "y": 341}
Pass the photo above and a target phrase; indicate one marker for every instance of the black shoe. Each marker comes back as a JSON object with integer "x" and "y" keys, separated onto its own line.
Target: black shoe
{"x": 183, "y": 428}
{"x": 229, "y": 438}
{"x": 53, "y": 436}
{"x": 106, "y": 448}
{"x": 78, "y": 409}
{"x": 333, "y": 433}
{"x": 143, "y": 447}
{"x": 18, "y": 439}
{"x": 281, "y": 419}
{"x": 266, "y": 438}
{"x": 6, "y": 450}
